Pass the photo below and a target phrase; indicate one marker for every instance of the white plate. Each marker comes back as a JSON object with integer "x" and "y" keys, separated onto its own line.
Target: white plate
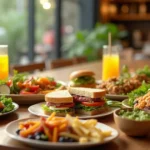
{"x": 125, "y": 103}
{"x": 13, "y": 127}
{"x": 15, "y": 108}
{"x": 112, "y": 96}
{"x": 116, "y": 97}
{"x": 30, "y": 98}
{"x": 37, "y": 110}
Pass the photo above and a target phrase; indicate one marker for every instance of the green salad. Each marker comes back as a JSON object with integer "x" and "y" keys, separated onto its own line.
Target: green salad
{"x": 145, "y": 70}
{"x": 138, "y": 115}
{"x": 142, "y": 90}
{"x": 7, "y": 104}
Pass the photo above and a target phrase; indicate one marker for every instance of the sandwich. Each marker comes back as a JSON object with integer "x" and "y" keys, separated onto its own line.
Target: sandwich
{"x": 88, "y": 101}
{"x": 60, "y": 102}
{"x": 82, "y": 78}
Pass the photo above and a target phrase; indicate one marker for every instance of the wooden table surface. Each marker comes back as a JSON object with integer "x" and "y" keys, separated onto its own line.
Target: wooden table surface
{"x": 123, "y": 142}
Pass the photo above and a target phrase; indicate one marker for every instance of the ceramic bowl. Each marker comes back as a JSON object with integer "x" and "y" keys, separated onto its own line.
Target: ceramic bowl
{"x": 131, "y": 127}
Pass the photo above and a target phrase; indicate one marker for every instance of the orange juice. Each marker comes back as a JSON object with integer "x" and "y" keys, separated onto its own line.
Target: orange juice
{"x": 110, "y": 66}
{"x": 3, "y": 67}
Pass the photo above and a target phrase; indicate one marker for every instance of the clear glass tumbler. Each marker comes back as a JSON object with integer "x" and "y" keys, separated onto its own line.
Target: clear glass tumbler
{"x": 110, "y": 62}
{"x": 4, "y": 62}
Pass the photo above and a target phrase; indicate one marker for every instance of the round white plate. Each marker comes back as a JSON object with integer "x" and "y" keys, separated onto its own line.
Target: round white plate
{"x": 37, "y": 110}
{"x": 13, "y": 127}
{"x": 125, "y": 103}
{"x": 29, "y": 98}
{"x": 15, "y": 108}
{"x": 116, "y": 97}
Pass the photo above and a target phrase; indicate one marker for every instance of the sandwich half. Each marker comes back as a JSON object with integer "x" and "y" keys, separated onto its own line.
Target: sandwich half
{"x": 88, "y": 101}
{"x": 82, "y": 78}
{"x": 60, "y": 102}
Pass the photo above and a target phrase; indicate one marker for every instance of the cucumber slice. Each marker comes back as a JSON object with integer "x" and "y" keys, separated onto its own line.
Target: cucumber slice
{"x": 4, "y": 89}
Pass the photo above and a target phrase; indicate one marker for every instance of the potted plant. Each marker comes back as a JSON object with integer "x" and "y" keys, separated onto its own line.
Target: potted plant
{"x": 90, "y": 43}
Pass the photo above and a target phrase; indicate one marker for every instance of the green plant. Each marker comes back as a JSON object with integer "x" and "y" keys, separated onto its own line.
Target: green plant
{"x": 90, "y": 43}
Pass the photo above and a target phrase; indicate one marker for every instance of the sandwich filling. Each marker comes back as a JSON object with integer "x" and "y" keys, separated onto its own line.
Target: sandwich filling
{"x": 58, "y": 107}
{"x": 83, "y": 80}
{"x": 87, "y": 103}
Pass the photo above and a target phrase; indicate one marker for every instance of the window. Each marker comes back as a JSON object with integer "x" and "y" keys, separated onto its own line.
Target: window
{"x": 13, "y": 27}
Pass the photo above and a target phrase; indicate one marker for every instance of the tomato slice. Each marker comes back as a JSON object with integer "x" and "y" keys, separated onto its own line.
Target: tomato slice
{"x": 93, "y": 103}
{"x": 66, "y": 105}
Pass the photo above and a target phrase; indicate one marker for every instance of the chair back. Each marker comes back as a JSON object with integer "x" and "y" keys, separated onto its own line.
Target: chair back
{"x": 78, "y": 60}
{"x": 57, "y": 63}
{"x": 28, "y": 68}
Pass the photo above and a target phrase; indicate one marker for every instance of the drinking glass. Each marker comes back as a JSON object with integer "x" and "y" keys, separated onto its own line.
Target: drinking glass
{"x": 4, "y": 62}
{"x": 110, "y": 62}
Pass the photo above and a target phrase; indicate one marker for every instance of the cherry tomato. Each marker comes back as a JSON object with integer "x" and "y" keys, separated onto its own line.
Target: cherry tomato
{"x": 9, "y": 82}
{"x": 53, "y": 83}
{"x": 94, "y": 103}
{"x": 66, "y": 105}
{"x": 33, "y": 88}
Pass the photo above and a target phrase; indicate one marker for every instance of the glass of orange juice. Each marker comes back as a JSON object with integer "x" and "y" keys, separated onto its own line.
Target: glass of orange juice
{"x": 4, "y": 62}
{"x": 110, "y": 62}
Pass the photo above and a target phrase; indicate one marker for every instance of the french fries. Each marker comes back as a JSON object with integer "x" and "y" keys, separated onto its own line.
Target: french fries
{"x": 54, "y": 127}
{"x": 87, "y": 130}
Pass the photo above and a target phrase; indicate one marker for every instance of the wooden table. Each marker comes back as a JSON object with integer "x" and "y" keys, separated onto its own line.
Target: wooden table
{"x": 123, "y": 142}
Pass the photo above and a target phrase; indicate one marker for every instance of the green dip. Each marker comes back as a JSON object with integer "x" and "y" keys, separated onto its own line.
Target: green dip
{"x": 138, "y": 115}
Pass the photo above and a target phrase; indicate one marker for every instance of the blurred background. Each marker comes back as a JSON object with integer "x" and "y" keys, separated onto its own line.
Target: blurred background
{"x": 39, "y": 30}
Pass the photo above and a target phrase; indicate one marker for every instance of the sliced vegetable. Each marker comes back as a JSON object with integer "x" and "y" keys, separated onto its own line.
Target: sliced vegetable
{"x": 66, "y": 105}
{"x": 4, "y": 89}
{"x": 101, "y": 103}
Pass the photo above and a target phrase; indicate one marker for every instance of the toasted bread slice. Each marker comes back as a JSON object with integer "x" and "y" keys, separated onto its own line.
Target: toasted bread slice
{"x": 87, "y": 92}
{"x": 60, "y": 96}
{"x": 80, "y": 73}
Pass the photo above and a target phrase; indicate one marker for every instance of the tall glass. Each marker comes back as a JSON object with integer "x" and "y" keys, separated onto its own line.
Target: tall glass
{"x": 4, "y": 62}
{"x": 110, "y": 62}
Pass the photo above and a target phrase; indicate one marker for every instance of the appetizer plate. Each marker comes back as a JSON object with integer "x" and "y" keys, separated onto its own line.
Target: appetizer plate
{"x": 13, "y": 126}
{"x": 37, "y": 110}
{"x": 116, "y": 97}
{"x": 26, "y": 99}
{"x": 113, "y": 96}
{"x": 125, "y": 103}
{"x": 15, "y": 108}
{"x": 30, "y": 98}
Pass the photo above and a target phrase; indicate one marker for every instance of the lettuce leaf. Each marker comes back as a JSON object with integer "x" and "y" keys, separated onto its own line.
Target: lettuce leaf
{"x": 8, "y": 104}
{"x": 83, "y": 80}
{"x": 47, "y": 109}
{"x": 142, "y": 90}
{"x": 86, "y": 108}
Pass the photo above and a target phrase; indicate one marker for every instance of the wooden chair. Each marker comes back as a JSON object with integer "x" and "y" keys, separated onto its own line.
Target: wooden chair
{"x": 57, "y": 63}
{"x": 28, "y": 68}
{"x": 78, "y": 60}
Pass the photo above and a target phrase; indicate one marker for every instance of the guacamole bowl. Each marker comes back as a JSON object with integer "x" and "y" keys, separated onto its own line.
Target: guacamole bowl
{"x": 132, "y": 122}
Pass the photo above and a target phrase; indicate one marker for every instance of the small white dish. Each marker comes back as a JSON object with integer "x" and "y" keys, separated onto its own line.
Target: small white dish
{"x": 125, "y": 103}
{"x": 13, "y": 127}
{"x": 116, "y": 97}
{"x": 15, "y": 108}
